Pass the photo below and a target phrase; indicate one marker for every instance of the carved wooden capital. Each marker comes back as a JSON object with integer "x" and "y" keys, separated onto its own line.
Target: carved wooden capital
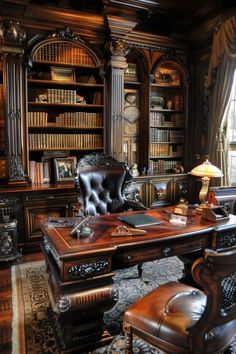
{"x": 11, "y": 33}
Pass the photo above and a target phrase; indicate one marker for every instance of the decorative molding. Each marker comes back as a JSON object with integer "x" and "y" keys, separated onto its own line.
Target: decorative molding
{"x": 88, "y": 270}
{"x": 15, "y": 167}
{"x": 226, "y": 241}
{"x": 65, "y": 33}
{"x": 11, "y": 32}
{"x": 100, "y": 161}
{"x": 119, "y": 47}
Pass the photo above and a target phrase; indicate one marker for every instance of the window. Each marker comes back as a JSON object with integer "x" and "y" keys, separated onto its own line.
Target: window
{"x": 231, "y": 134}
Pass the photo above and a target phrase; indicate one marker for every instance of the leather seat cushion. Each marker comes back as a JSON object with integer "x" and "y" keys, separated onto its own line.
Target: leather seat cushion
{"x": 168, "y": 312}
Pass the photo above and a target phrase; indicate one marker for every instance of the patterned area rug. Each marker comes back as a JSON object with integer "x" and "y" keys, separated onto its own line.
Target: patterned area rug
{"x": 32, "y": 331}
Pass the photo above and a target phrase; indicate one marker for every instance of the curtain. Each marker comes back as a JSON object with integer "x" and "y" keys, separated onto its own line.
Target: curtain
{"x": 220, "y": 79}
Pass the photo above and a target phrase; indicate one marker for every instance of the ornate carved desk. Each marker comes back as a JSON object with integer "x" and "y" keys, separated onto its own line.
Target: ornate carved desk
{"x": 81, "y": 269}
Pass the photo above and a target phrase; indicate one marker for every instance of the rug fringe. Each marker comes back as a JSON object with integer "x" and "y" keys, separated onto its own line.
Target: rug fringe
{"x": 17, "y": 337}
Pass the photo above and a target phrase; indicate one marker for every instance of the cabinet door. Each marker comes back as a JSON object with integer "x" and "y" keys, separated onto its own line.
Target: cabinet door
{"x": 41, "y": 205}
{"x": 34, "y": 214}
{"x": 137, "y": 191}
{"x": 160, "y": 192}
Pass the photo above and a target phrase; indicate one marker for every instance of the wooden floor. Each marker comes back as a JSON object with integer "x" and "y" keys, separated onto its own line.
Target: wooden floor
{"x": 6, "y": 303}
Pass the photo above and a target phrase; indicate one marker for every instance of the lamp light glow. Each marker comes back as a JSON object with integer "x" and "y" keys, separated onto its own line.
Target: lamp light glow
{"x": 206, "y": 171}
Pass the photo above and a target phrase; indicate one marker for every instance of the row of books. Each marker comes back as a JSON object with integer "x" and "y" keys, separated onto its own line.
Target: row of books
{"x": 159, "y": 135}
{"x": 65, "y": 53}
{"x": 65, "y": 141}
{"x": 36, "y": 172}
{"x": 66, "y": 119}
{"x": 164, "y": 149}
{"x": 159, "y": 119}
{"x": 162, "y": 166}
{"x": 61, "y": 96}
{"x": 177, "y": 102}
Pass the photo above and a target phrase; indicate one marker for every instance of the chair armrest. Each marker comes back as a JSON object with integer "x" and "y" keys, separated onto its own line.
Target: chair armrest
{"x": 135, "y": 205}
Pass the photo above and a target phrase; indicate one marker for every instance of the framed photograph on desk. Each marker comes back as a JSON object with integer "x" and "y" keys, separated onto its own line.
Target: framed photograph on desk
{"x": 64, "y": 168}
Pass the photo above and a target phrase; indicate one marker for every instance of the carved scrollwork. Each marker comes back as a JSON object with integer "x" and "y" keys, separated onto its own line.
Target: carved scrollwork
{"x": 119, "y": 47}
{"x": 11, "y": 31}
{"x": 228, "y": 240}
{"x": 66, "y": 33}
{"x": 99, "y": 160}
{"x": 15, "y": 167}
{"x": 88, "y": 270}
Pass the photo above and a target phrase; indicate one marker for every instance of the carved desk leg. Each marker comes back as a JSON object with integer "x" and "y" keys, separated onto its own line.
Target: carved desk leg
{"x": 78, "y": 313}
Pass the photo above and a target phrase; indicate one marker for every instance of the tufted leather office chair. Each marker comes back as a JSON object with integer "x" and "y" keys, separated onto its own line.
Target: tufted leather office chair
{"x": 178, "y": 318}
{"x": 100, "y": 181}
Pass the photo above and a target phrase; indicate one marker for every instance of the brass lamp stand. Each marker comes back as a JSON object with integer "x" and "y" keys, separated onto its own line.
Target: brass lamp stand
{"x": 206, "y": 171}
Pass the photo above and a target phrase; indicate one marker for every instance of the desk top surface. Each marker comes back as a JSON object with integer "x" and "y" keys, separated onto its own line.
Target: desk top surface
{"x": 101, "y": 240}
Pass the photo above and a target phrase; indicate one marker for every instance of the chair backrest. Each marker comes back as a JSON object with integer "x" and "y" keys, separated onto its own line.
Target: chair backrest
{"x": 216, "y": 274}
{"x": 100, "y": 181}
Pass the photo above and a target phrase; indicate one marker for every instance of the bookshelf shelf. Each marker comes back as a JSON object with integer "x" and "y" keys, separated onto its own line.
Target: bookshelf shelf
{"x": 167, "y": 116}
{"x": 68, "y": 149}
{"x": 67, "y": 127}
{"x": 75, "y": 105}
{"x": 65, "y": 101}
{"x": 38, "y": 82}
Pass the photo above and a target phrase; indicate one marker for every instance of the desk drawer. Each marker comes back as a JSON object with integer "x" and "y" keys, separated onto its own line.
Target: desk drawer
{"x": 160, "y": 250}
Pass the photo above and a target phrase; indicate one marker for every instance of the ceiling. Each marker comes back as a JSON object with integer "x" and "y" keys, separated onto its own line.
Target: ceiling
{"x": 162, "y": 17}
{"x": 187, "y": 19}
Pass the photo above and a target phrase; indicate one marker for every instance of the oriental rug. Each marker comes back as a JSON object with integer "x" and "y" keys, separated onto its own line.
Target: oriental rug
{"x": 32, "y": 330}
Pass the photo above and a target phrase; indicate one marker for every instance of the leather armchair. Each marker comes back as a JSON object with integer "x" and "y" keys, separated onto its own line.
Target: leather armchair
{"x": 100, "y": 182}
{"x": 178, "y": 318}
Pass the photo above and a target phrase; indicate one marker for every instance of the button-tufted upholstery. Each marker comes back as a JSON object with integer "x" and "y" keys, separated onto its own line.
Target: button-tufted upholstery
{"x": 178, "y": 318}
{"x": 100, "y": 182}
{"x": 102, "y": 190}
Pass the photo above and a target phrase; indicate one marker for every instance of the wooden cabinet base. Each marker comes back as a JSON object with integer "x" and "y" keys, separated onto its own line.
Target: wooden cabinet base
{"x": 78, "y": 309}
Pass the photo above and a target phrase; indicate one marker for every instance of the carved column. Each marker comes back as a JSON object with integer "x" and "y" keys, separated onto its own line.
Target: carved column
{"x": 117, "y": 66}
{"x": 119, "y": 29}
{"x": 11, "y": 49}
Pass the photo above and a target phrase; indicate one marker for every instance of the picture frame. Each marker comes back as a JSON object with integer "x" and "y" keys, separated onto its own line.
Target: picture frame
{"x": 166, "y": 76}
{"x": 64, "y": 168}
{"x": 47, "y": 170}
{"x": 62, "y": 74}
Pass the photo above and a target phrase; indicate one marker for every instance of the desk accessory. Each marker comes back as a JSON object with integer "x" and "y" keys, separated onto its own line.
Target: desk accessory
{"x": 215, "y": 214}
{"x": 206, "y": 171}
{"x": 61, "y": 222}
{"x": 182, "y": 208}
{"x": 178, "y": 219}
{"x": 140, "y": 220}
{"x": 82, "y": 229}
{"x": 122, "y": 230}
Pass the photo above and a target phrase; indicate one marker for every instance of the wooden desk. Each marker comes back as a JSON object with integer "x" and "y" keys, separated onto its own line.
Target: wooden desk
{"x": 82, "y": 269}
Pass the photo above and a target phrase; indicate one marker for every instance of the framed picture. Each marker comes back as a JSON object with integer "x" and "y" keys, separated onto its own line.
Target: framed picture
{"x": 46, "y": 169}
{"x": 62, "y": 74}
{"x": 164, "y": 76}
{"x": 64, "y": 168}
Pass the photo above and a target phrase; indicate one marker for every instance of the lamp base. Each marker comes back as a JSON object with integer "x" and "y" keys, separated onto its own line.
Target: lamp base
{"x": 202, "y": 206}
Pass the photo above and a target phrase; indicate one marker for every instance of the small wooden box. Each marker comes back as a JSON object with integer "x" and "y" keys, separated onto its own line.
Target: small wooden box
{"x": 215, "y": 214}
